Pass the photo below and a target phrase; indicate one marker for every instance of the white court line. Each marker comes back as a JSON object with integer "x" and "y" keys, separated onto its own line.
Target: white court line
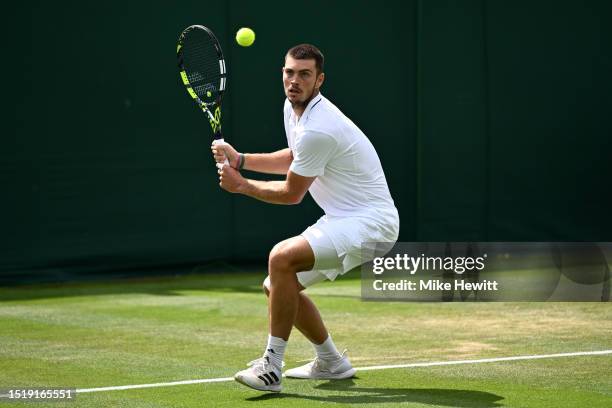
{"x": 487, "y": 360}
{"x": 380, "y": 367}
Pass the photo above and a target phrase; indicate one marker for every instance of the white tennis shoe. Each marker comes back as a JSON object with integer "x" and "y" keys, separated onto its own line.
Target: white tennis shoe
{"x": 261, "y": 375}
{"x": 320, "y": 369}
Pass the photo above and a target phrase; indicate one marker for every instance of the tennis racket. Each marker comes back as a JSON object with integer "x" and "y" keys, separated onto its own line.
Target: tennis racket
{"x": 202, "y": 69}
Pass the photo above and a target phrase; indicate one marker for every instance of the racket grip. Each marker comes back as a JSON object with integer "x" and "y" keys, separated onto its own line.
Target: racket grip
{"x": 221, "y": 142}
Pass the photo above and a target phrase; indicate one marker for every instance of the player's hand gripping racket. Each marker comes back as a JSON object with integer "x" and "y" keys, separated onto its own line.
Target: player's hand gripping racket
{"x": 202, "y": 68}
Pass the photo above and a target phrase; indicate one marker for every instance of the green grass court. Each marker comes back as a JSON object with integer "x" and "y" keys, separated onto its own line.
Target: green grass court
{"x": 158, "y": 330}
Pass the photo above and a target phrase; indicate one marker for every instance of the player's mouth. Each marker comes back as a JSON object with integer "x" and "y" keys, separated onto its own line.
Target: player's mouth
{"x": 294, "y": 91}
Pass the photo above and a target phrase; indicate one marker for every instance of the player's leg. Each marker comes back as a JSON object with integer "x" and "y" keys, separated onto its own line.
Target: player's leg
{"x": 286, "y": 259}
{"x": 308, "y": 319}
{"x": 309, "y": 322}
{"x": 329, "y": 363}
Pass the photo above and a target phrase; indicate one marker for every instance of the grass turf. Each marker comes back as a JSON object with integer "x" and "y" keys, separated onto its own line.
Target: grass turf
{"x": 140, "y": 331}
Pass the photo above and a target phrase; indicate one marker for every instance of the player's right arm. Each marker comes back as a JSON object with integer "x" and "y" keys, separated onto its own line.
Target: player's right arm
{"x": 270, "y": 163}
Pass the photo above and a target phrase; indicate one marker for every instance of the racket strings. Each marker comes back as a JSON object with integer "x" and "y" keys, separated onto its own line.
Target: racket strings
{"x": 201, "y": 64}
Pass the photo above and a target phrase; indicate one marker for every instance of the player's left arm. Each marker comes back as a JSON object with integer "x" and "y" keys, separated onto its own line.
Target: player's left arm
{"x": 289, "y": 191}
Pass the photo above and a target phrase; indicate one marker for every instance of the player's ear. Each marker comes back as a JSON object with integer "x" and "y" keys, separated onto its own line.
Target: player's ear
{"x": 320, "y": 79}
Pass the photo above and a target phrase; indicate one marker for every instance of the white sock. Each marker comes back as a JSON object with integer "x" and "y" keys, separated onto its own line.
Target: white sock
{"x": 275, "y": 351}
{"x": 327, "y": 350}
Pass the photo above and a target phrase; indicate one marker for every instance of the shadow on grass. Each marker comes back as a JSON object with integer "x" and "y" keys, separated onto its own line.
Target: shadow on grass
{"x": 346, "y": 392}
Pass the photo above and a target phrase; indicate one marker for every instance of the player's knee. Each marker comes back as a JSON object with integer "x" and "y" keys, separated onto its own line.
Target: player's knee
{"x": 280, "y": 260}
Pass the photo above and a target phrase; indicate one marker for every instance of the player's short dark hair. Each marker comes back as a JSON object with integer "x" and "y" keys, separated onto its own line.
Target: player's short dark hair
{"x": 308, "y": 51}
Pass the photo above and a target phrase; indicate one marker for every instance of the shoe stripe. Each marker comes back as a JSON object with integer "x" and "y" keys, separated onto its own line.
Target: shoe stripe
{"x": 263, "y": 379}
{"x": 269, "y": 378}
{"x": 274, "y": 375}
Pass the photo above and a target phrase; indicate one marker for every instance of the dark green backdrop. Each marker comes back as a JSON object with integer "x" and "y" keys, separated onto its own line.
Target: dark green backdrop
{"x": 492, "y": 120}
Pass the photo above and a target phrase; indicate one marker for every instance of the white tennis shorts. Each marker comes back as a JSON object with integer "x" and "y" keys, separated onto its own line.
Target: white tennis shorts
{"x": 337, "y": 244}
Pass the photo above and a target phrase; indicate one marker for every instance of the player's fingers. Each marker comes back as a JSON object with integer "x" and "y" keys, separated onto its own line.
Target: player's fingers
{"x": 218, "y": 151}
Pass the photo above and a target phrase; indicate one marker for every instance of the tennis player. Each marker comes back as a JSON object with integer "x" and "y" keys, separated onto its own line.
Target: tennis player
{"x": 332, "y": 159}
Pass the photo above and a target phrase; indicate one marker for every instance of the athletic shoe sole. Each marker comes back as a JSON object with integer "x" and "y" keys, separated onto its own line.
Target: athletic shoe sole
{"x": 323, "y": 376}
{"x": 271, "y": 388}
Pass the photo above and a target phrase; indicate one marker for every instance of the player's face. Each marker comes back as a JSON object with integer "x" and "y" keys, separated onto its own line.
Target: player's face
{"x": 300, "y": 80}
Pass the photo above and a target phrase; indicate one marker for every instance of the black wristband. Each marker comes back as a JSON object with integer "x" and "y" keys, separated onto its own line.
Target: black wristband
{"x": 240, "y": 161}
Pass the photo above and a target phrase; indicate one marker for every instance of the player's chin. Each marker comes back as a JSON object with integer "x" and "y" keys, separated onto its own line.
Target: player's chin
{"x": 297, "y": 101}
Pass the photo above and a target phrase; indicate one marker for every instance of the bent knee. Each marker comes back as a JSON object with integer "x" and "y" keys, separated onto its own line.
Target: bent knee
{"x": 280, "y": 258}
{"x": 292, "y": 255}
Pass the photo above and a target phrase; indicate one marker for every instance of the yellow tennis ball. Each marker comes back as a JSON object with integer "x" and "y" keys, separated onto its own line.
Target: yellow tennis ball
{"x": 245, "y": 37}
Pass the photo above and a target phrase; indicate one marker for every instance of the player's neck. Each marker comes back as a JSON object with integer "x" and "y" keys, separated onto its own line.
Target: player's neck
{"x": 299, "y": 108}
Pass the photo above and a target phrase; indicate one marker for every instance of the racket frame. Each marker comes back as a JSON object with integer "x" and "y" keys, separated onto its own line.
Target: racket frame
{"x": 211, "y": 109}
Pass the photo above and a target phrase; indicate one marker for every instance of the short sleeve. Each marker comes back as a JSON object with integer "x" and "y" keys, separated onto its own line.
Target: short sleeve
{"x": 311, "y": 153}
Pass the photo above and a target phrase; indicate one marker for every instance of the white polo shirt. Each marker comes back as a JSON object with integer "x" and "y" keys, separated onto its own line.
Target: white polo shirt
{"x": 350, "y": 179}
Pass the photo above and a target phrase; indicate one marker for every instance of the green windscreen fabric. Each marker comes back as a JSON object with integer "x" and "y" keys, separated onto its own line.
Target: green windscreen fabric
{"x": 550, "y": 99}
{"x": 452, "y": 122}
{"x": 107, "y": 164}
{"x": 491, "y": 119}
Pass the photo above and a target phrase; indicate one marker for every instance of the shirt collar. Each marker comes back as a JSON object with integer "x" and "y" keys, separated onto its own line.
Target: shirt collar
{"x": 309, "y": 107}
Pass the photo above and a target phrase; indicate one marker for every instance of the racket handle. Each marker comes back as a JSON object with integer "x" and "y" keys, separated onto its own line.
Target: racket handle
{"x": 221, "y": 142}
